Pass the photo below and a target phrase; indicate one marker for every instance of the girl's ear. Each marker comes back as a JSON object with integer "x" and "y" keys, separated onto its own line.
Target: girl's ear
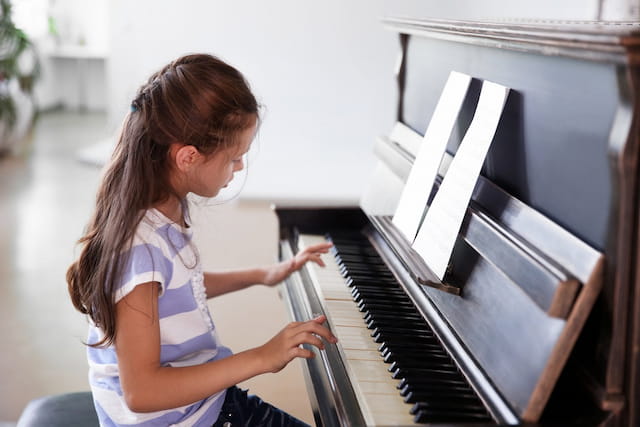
{"x": 184, "y": 156}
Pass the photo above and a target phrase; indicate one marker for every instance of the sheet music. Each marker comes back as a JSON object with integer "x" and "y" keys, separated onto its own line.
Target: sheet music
{"x": 439, "y": 230}
{"x": 417, "y": 189}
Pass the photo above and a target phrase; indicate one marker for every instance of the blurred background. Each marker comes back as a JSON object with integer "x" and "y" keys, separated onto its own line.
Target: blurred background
{"x": 324, "y": 72}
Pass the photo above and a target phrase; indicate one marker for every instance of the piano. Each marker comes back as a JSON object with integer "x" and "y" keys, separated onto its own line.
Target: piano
{"x": 540, "y": 321}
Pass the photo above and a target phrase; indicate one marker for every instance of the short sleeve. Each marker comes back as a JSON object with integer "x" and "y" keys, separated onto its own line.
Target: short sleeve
{"x": 144, "y": 262}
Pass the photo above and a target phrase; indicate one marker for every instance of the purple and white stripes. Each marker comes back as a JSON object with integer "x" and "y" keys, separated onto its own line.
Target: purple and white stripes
{"x": 161, "y": 252}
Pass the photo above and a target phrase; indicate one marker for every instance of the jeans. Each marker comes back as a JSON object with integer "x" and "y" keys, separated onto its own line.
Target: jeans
{"x": 242, "y": 409}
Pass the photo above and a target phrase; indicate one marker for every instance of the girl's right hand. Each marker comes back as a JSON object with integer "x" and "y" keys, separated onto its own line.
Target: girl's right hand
{"x": 286, "y": 345}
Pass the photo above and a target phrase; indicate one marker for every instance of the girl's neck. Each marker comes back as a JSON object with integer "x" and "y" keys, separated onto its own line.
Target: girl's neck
{"x": 172, "y": 209}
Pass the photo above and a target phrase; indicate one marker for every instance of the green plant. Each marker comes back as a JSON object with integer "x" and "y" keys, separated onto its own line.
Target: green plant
{"x": 18, "y": 62}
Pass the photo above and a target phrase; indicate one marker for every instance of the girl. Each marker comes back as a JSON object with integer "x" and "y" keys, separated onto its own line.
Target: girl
{"x": 154, "y": 356}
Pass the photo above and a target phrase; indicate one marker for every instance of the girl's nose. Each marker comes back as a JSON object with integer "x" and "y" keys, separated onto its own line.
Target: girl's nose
{"x": 239, "y": 165}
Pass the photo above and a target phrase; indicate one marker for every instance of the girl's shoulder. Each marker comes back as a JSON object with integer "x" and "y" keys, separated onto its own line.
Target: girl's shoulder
{"x": 158, "y": 230}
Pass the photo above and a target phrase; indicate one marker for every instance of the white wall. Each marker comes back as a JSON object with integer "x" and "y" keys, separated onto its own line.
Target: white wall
{"x": 324, "y": 71}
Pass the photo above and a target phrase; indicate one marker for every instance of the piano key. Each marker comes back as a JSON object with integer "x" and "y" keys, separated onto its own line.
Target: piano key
{"x": 356, "y": 279}
{"x": 442, "y": 360}
{"x": 370, "y": 375}
{"x": 406, "y": 347}
{"x": 430, "y": 417}
{"x": 382, "y": 319}
{"x": 436, "y": 365}
{"x": 417, "y": 396}
{"x": 450, "y": 377}
{"x": 463, "y": 391}
{"x": 395, "y": 329}
{"x": 435, "y": 383}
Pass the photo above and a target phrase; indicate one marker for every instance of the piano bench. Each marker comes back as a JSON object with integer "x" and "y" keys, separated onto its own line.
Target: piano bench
{"x": 61, "y": 410}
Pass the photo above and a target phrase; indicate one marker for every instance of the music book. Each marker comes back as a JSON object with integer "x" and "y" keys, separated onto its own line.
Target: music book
{"x": 415, "y": 194}
{"x": 437, "y": 235}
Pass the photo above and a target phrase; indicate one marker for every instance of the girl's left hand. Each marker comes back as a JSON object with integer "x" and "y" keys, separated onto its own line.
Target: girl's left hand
{"x": 280, "y": 271}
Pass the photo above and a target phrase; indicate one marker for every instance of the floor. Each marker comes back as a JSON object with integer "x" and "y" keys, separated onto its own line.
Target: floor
{"x": 46, "y": 196}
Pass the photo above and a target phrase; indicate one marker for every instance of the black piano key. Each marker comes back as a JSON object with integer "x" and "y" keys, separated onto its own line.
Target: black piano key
{"x": 424, "y": 357}
{"x": 423, "y": 364}
{"x": 400, "y": 341}
{"x": 435, "y": 388}
{"x": 382, "y": 317}
{"x": 363, "y": 264}
{"x": 419, "y": 382}
{"x": 358, "y": 293}
{"x": 408, "y": 346}
{"x": 379, "y": 308}
{"x": 472, "y": 410}
{"x": 382, "y": 309}
{"x": 399, "y": 322}
{"x": 392, "y": 351}
{"x": 364, "y": 298}
{"x": 342, "y": 248}
{"x": 430, "y": 386}
{"x": 378, "y": 287}
{"x": 393, "y": 306}
{"x": 374, "y": 279}
{"x": 369, "y": 282}
{"x": 396, "y": 301}
{"x": 429, "y": 378}
{"x": 448, "y": 377}
{"x": 390, "y": 333}
{"x": 444, "y": 393}
{"x": 373, "y": 272}
{"x": 382, "y": 337}
{"x": 433, "y": 417}
{"x": 409, "y": 330}
{"x": 380, "y": 296}
{"x": 427, "y": 355}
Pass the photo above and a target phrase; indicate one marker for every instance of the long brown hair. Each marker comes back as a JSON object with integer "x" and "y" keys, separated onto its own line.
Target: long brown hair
{"x": 197, "y": 100}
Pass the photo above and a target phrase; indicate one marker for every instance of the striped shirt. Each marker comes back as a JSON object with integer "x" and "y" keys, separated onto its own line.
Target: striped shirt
{"x": 161, "y": 252}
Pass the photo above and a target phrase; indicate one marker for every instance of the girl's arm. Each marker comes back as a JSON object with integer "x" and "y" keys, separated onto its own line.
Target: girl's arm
{"x": 138, "y": 348}
{"x": 224, "y": 282}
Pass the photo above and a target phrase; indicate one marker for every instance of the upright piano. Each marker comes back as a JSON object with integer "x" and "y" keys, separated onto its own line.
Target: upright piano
{"x": 539, "y": 323}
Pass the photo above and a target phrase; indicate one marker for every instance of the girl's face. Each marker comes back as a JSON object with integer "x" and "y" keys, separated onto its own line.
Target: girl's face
{"x": 213, "y": 173}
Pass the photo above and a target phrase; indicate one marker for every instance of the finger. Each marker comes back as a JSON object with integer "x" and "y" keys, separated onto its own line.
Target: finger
{"x": 315, "y": 326}
{"x": 321, "y": 318}
{"x": 301, "y": 352}
{"x": 309, "y": 338}
{"x": 320, "y": 247}
{"x": 293, "y": 325}
{"x": 318, "y": 260}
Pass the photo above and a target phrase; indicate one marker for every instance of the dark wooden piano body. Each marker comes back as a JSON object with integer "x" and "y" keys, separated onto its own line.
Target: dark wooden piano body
{"x": 547, "y": 326}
